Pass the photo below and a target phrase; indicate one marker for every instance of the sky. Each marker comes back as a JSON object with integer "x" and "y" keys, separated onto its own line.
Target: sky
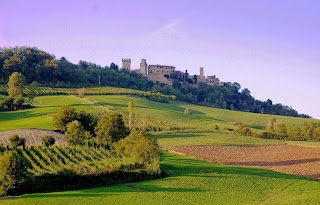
{"x": 271, "y": 47}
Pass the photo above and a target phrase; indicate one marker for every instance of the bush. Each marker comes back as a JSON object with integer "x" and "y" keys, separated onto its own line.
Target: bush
{"x": 271, "y": 135}
{"x": 243, "y": 130}
{"x": 48, "y": 140}
{"x": 16, "y": 141}
{"x": 140, "y": 150}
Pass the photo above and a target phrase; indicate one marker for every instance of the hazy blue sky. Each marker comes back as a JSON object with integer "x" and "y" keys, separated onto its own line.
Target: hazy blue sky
{"x": 271, "y": 47}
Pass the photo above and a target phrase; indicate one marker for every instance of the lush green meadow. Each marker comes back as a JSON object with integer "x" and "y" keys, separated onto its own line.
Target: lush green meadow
{"x": 192, "y": 181}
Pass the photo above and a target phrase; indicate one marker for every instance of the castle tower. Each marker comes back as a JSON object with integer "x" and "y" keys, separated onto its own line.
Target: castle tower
{"x": 126, "y": 63}
{"x": 143, "y": 67}
{"x": 201, "y": 72}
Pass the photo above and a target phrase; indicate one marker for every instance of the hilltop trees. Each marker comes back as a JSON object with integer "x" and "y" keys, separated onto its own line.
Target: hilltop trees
{"x": 37, "y": 65}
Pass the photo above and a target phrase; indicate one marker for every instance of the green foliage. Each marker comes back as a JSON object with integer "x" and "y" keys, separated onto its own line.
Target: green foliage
{"x": 15, "y": 85}
{"x": 48, "y": 140}
{"x": 64, "y": 116}
{"x": 16, "y": 141}
{"x": 76, "y": 134}
{"x": 68, "y": 114}
{"x": 140, "y": 150}
{"x": 281, "y": 128}
{"x": 13, "y": 171}
{"x": 192, "y": 181}
{"x": 12, "y": 104}
{"x": 32, "y": 91}
{"x": 243, "y": 130}
{"x": 110, "y": 128}
{"x": 37, "y": 65}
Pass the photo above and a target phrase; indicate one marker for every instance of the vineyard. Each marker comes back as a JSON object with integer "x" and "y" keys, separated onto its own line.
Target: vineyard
{"x": 91, "y": 91}
{"x": 66, "y": 168}
{"x": 79, "y": 160}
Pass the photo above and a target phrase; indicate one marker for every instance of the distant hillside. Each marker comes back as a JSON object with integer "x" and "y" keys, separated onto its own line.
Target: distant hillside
{"x": 40, "y": 66}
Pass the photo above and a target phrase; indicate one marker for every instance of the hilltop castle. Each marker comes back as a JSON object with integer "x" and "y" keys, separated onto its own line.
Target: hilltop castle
{"x": 163, "y": 73}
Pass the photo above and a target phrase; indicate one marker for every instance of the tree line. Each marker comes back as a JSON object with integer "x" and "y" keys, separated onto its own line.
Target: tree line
{"x": 45, "y": 69}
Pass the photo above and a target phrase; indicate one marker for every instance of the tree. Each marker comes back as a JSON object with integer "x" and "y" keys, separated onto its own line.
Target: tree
{"x": 111, "y": 128}
{"x": 140, "y": 150}
{"x": 15, "y": 85}
{"x": 32, "y": 91}
{"x": 113, "y": 66}
{"x": 195, "y": 79}
{"x": 64, "y": 116}
{"x": 75, "y": 133}
{"x": 48, "y": 140}
{"x": 237, "y": 86}
{"x": 130, "y": 110}
{"x": 13, "y": 171}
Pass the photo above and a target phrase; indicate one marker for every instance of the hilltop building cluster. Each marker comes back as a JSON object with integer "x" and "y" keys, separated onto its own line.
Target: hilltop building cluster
{"x": 163, "y": 73}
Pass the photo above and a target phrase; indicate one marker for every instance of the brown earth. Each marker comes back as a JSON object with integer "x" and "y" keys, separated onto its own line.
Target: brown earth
{"x": 290, "y": 159}
{"x": 33, "y": 136}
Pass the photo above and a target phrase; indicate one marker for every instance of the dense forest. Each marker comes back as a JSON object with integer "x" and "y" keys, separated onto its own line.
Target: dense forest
{"x": 45, "y": 69}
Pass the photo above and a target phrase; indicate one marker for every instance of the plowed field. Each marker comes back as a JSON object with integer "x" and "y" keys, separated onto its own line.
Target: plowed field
{"x": 290, "y": 159}
{"x": 33, "y": 136}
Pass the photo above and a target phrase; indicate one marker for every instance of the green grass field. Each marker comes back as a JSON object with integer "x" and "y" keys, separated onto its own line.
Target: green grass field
{"x": 192, "y": 181}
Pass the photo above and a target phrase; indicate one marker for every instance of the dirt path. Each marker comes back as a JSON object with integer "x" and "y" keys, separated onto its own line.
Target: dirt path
{"x": 290, "y": 159}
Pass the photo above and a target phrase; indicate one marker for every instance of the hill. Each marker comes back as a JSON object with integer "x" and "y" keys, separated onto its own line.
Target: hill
{"x": 44, "y": 68}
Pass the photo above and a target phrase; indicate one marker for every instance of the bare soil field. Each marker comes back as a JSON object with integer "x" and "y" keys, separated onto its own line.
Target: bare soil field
{"x": 33, "y": 136}
{"x": 291, "y": 159}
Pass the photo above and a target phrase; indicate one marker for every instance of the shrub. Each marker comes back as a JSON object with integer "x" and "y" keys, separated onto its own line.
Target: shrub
{"x": 271, "y": 135}
{"x": 48, "y": 140}
{"x": 243, "y": 130}
{"x": 140, "y": 150}
{"x": 16, "y": 141}
{"x": 216, "y": 127}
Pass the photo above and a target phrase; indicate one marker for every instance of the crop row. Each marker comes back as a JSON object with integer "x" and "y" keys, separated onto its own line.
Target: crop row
{"x": 51, "y": 160}
{"x": 90, "y": 91}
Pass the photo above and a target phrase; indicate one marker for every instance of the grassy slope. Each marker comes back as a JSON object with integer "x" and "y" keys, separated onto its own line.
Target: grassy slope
{"x": 192, "y": 181}
{"x": 41, "y": 115}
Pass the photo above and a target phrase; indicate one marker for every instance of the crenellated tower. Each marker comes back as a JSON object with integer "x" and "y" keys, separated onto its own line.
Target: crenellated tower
{"x": 126, "y": 63}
